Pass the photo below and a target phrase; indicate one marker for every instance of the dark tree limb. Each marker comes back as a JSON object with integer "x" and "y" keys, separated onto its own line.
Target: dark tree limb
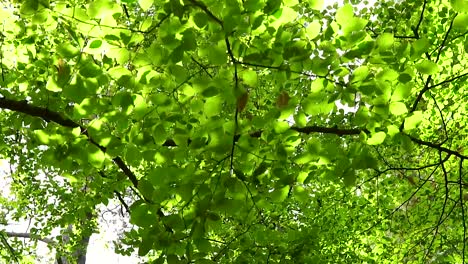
{"x": 421, "y": 17}
{"x": 29, "y": 236}
{"x": 207, "y": 11}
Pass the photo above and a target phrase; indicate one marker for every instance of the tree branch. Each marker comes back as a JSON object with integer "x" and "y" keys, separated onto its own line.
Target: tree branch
{"x": 421, "y": 17}
{"x": 208, "y": 12}
{"x": 445, "y": 38}
{"x": 29, "y": 236}
{"x": 436, "y": 146}
{"x": 448, "y": 80}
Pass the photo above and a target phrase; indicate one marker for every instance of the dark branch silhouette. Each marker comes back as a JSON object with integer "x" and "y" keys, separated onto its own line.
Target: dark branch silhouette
{"x": 29, "y": 236}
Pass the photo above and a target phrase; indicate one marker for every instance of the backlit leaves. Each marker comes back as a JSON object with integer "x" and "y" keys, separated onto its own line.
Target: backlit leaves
{"x": 96, "y": 157}
{"x": 145, "y": 4}
{"x": 459, "y": 5}
{"x": 377, "y": 138}
{"x": 385, "y": 41}
{"x": 461, "y": 21}
{"x": 348, "y": 22}
{"x": 313, "y": 29}
{"x": 427, "y": 67}
{"x": 414, "y": 120}
{"x": 398, "y": 108}
{"x": 67, "y": 50}
{"x": 230, "y": 128}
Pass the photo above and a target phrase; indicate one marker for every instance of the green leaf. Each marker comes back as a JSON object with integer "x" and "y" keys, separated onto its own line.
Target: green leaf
{"x": 145, "y": 4}
{"x": 301, "y": 194}
{"x": 300, "y": 119}
{"x": 102, "y": 9}
{"x": 29, "y": 7}
{"x": 360, "y": 74}
{"x": 133, "y": 155}
{"x": 67, "y": 50}
{"x": 145, "y": 246}
{"x": 146, "y": 188}
{"x": 95, "y": 44}
{"x": 250, "y": 78}
{"x": 392, "y": 130}
{"x": 419, "y": 47}
{"x": 385, "y": 41}
{"x": 344, "y": 14}
{"x": 402, "y": 91}
{"x": 349, "y": 177}
{"x": 42, "y": 136}
{"x": 200, "y": 19}
{"x": 159, "y": 134}
{"x": 141, "y": 214}
{"x": 404, "y": 78}
{"x": 315, "y": 104}
{"x": 216, "y": 54}
{"x": 316, "y": 4}
{"x": 210, "y": 91}
{"x": 459, "y": 5}
{"x": 90, "y": 69}
{"x": 313, "y": 29}
{"x": 52, "y": 85}
{"x": 304, "y": 158}
{"x": 96, "y": 157}
{"x": 253, "y": 5}
{"x": 279, "y": 194}
{"x": 189, "y": 40}
{"x": 427, "y": 67}
{"x": 204, "y": 261}
{"x": 271, "y": 6}
{"x": 461, "y": 21}
{"x": 213, "y": 106}
{"x": 348, "y": 22}
{"x": 414, "y": 120}
{"x": 41, "y": 17}
{"x": 376, "y": 138}
{"x": 398, "y": 108}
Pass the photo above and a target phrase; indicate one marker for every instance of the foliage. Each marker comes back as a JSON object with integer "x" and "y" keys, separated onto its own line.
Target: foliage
{"x": 242, "y": 131}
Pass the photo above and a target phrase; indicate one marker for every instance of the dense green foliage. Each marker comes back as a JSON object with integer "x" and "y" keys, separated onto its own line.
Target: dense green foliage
{"x": 256, "y": 131}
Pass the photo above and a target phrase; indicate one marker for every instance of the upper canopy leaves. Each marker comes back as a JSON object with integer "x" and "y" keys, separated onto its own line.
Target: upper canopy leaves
{"x": 242, "y": 131}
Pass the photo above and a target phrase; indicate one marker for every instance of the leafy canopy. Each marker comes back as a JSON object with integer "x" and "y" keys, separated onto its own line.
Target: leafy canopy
{"x": 241, "y": 131}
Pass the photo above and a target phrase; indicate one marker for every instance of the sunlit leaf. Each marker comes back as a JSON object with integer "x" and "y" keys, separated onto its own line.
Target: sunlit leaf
{"x": 67, "y": 50}
{"x": 52, "y": 85}
{"x": 427, "y": 67}
{"x": 316, "y": 4}
{"x": 280, "y": 194}
{"x": 385, "y": 41}
{"x": 96, "y": 157}
{"x": 313, "y": 29}
{"x": 461, "y": 21}
{"x": 377, "y": 138}
{"x": 459, "y": 5}
{"x": 398, "y": 108}
{"x": 414, "y": 120}
{"x": 145, "y": 4}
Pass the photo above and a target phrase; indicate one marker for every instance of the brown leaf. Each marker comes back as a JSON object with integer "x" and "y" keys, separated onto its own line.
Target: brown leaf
{"x": 61, "y": 66}
{"x": 242, "y": 101}
{"x": 282, "y": 99}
